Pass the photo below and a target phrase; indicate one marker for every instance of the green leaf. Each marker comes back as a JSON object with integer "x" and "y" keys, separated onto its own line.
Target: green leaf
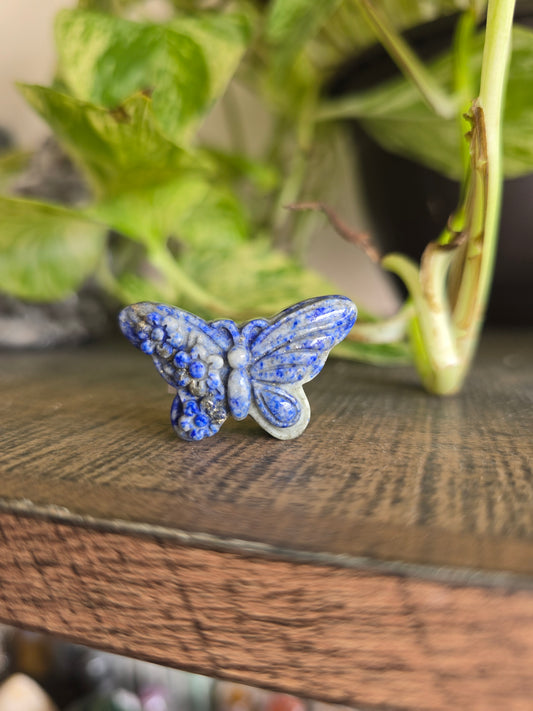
{"x": 182, "y": 220}
{"x": 185, "y": 64}
{"x": 12, "y": 163}
{"x": 117, "y": 149}
{"x": 425, "y": 138}
{"x": 518, "y": 110}
{"x": 264, "y": 176}
{"x": 223, "y": 39}
{"x": 395, "y": 115}
{"x": 252, "y": 278}
{"x": 219, "y": 222}
{"x": 190, "y": 210}
{"x": 150, "y": 215}
{"x": 199, "y": 251}
{"x": 112, "y": 6}
{"x": 46, "y": 252}
{"x": 376, "y": 353}
{"x": 130, "y": 288}
{"x": 291, "y": 23}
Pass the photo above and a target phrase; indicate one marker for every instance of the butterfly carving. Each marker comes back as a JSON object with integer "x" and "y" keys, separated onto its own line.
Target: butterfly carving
{"x": 257, "y": 368}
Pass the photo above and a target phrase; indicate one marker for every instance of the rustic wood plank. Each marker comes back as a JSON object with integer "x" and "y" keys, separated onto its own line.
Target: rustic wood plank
{"x": 383, "y": 471}
{"x": 343, "y": 634}
{"x": 384, "y": 559}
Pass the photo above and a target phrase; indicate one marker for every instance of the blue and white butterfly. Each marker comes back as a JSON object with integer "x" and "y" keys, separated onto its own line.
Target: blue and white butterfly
{"x": 256, "y": 368}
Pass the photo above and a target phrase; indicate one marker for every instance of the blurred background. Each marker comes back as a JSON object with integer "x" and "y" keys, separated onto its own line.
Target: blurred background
{"x": 40, "y": 673}
{"x": 28, "y": 55}
{"x": 391, "y": 173}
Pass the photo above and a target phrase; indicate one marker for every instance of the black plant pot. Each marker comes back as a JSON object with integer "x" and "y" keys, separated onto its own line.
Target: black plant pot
{"x": 410, "y": 204}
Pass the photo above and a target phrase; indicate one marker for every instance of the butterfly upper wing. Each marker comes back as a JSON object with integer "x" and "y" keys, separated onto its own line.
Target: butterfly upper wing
{"x": 294, "y": 346}
{"x": 289, "y": 352}
{"x": 188, "y": 352}
{"x": 162, "y": 331}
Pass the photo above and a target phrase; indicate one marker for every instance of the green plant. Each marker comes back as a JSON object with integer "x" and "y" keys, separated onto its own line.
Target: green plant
{"x": 174, "y": 218}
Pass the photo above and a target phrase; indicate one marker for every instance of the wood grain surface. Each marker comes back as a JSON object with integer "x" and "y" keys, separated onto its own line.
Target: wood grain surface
{"x": 384, "y": 559}
{"x": 383, "y": 471}
{"x": 341, "y": 634}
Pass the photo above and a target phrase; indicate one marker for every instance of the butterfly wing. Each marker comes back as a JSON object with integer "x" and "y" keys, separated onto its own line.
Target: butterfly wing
{"x": 282, "y": 411}
{"x": 188, "y": 353}
{"x": 289, "y": 352}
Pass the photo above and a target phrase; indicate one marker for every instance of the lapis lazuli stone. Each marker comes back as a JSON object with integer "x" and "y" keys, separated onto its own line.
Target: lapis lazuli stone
{"x": 257, "y": 368}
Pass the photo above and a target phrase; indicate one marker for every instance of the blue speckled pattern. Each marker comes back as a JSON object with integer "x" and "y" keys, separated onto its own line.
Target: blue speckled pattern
{"x": 257, "y": 368}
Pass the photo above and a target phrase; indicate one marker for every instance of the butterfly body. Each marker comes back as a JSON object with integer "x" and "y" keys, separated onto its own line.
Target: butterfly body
{"x": 257, "y": 368}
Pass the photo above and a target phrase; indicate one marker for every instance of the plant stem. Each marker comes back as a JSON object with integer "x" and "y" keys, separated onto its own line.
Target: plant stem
{"x": 388, "y": 330}
{"x": 479, "y": 262}
{"x": 294, "y": 180}
{"x": 442, "y": 104}
{"x": 463, "y": 80}
{"x": 233, "y": 118}
{"x": 161, "y": 259}
{"x": 444, "y": 340}
{"x": 432, "y": 340}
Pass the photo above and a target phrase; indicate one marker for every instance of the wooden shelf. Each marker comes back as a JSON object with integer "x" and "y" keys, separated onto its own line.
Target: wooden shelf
{"x": 384, "y": 559}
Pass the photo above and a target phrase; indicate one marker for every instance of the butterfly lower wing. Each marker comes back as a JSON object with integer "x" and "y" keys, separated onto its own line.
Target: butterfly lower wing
{"x": 195, "y": 418}
{"x": 282, "y": 411}
{"x": 188, "y": 352}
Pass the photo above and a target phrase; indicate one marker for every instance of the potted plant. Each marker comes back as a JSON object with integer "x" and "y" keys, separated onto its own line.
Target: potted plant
{"x": 173, "y": 218}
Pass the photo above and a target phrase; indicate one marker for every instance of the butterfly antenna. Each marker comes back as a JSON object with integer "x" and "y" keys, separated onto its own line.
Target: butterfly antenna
{"x": 230, "y": 326}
